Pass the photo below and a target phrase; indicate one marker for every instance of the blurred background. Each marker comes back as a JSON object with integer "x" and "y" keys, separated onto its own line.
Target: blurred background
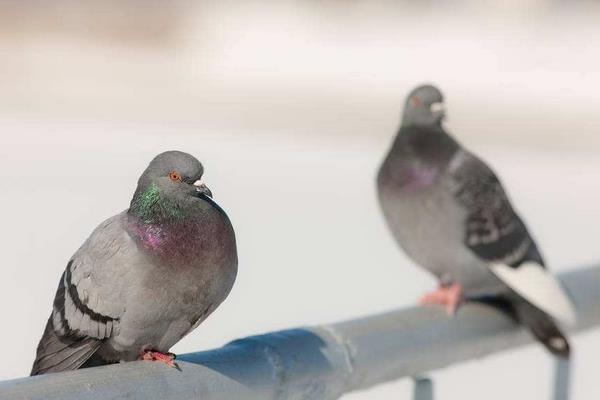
{"x": 291, "y": 105}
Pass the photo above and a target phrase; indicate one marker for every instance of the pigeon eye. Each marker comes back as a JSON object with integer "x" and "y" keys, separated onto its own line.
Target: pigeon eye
{"x": 174, "y": 175}
{"x": 416, "y": 101}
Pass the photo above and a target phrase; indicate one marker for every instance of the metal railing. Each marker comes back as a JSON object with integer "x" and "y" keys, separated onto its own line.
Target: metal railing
{"x": 321, "y": 362}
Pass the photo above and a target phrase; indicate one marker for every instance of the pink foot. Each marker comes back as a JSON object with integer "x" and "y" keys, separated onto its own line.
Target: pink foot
{"x": 449, "y": 296}
{"x": 165, "y": 358}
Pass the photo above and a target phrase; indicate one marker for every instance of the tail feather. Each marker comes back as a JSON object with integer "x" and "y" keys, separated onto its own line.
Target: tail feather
{"x": 543, "y": 327}
{"x": 62, "y": 353}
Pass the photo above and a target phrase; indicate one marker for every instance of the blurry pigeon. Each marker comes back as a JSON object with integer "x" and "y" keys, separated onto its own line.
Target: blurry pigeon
{"x": 146, "y": 277}
{"x": 448, "y": 211}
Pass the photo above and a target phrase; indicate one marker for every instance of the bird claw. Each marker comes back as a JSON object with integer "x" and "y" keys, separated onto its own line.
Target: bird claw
{"x": 165, "y": 358}
{"x": 449, "y": 296}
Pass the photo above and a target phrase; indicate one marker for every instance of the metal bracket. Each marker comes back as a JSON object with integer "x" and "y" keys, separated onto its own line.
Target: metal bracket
{"x": 423, "y": 388}
{"x": 562, "y": 378}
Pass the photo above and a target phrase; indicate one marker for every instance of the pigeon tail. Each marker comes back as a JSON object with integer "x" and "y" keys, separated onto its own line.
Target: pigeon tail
{"x": 543, "y": 327}
{"x": 56, "y": 353}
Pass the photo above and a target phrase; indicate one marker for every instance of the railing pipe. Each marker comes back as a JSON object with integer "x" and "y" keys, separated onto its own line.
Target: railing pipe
{"x": 321, "y": 362}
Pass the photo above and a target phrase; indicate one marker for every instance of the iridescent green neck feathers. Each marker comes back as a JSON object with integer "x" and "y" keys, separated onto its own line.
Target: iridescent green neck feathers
{"x": 151, "y": 207}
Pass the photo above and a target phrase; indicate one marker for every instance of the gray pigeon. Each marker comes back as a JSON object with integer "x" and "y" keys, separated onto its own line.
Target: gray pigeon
{"x": 449, "y": 212}
{"x": 146, "y": 277}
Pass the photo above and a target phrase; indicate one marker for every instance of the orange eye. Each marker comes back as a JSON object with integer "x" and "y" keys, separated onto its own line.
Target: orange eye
{"x": 174, "y": 175}
{"x": 416, "y": 101}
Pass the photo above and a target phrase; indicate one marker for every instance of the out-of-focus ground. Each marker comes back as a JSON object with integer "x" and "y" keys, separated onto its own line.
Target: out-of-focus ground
{"x": 290, "y": 105}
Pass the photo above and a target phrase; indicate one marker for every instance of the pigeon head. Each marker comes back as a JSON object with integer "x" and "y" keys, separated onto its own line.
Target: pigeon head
{"x": 169, "y": 182}
{"x": 424, "y": 107}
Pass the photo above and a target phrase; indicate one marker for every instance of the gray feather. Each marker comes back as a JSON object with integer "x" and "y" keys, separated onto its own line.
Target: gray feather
{"x": 449, "y": 212}
{"x": 493, "y": 230}
{"x": 143, "y": 277}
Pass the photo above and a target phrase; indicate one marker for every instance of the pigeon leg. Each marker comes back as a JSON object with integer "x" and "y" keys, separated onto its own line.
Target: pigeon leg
{"x": 165, "y": 358}
{"x": 450, "y": 296}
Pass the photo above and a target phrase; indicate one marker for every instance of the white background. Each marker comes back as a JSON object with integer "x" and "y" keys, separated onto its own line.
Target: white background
{"x": 291, "y": 106}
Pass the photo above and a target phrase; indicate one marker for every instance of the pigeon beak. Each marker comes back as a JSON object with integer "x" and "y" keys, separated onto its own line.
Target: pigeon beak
{"x": 438, "y": 110}
{"x": 203, "y": 189}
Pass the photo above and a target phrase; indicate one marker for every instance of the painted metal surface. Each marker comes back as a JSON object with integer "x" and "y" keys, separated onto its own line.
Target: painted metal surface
{"x": 321, "y": 362}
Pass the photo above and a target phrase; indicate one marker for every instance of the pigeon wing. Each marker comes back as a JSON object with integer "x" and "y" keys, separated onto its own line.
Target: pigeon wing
{"x": 496, "y": 234}
{"x": 88, "y": 305}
